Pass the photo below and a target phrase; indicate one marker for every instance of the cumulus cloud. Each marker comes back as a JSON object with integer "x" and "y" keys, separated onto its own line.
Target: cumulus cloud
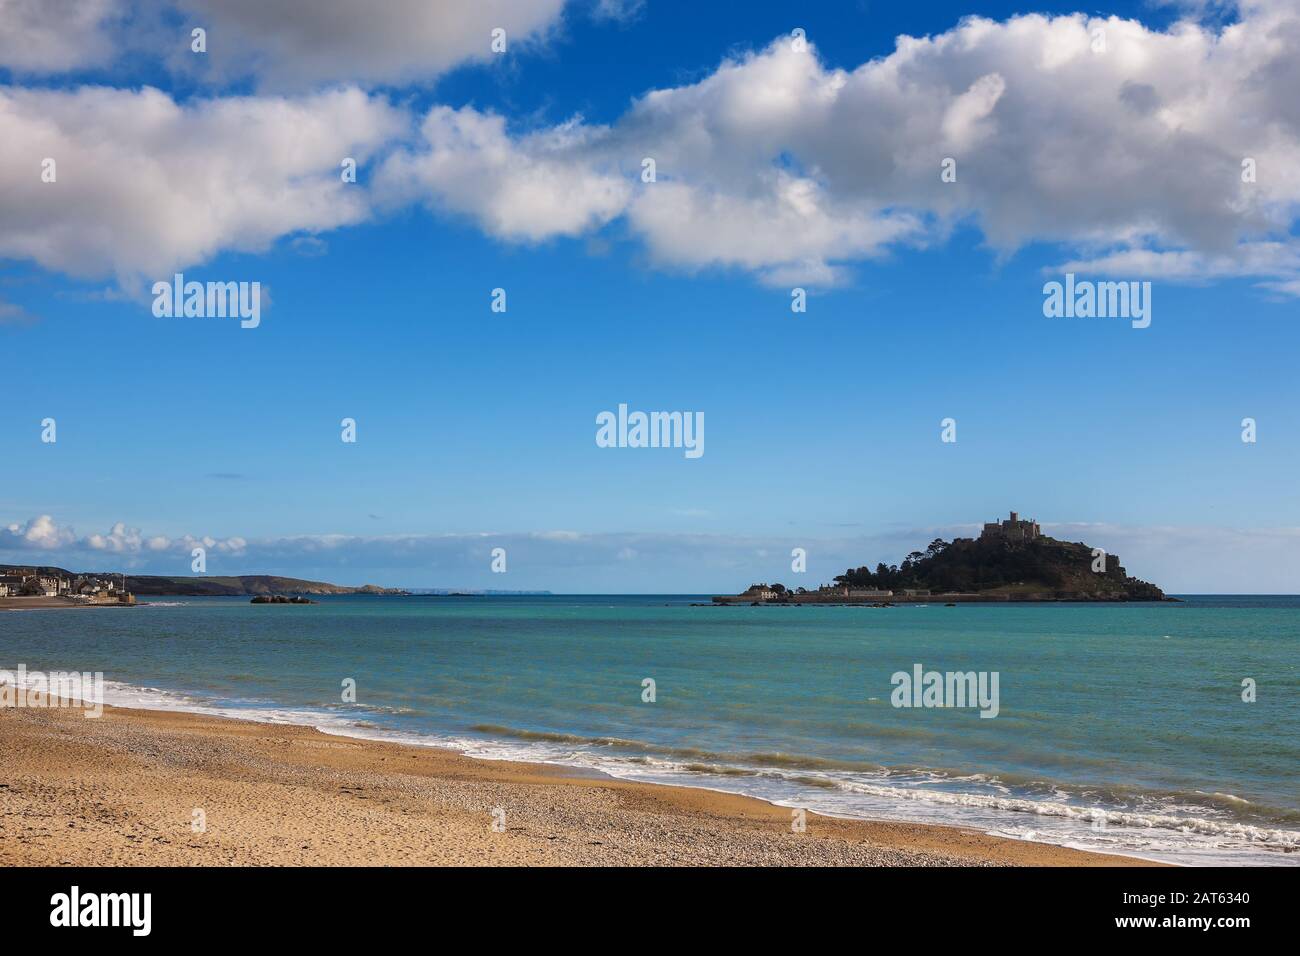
{"x": 145, "y": 184}
{"x": 284, "y": 44}
{"x": 1127, "y": 154}
{"x": 526, "y": 189}
{"x": 37, "y": 534}
{"x": 45, "y": 535}
{"x": 298, "y": 43}
{"x": 778, "y": 165}
{"x": 50, "y": 36}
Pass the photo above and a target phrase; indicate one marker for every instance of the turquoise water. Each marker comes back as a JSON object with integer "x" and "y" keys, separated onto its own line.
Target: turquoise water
{"x": 1133, "y": 712}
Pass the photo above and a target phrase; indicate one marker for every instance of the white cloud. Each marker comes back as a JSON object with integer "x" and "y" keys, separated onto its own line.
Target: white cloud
{"x": 299, "y": 43}
{"x": 50, "y": 36}
{"x": 284, "y": 44}
{"x": 963, "y": 123}
{"x": 525, "y": 189}
{"x": 40, "y": 533}
{"x": 782, "y": 167}
{"x": 1252, "y": 259}
{"x": 44, "y": 534}
{"x": 773, "y": 164}
{"x": 119, "y": 539}
{"x": 145, "y": 185}
{"x": 789, "y": 231}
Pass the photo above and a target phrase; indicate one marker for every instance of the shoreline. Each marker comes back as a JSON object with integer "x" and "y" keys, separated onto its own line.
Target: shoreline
{"x": 126, "y": 788}
{"x": 55, "y": 604}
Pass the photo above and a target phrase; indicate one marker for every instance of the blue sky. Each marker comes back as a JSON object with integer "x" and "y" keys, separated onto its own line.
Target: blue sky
{"x": 476, "y": 429}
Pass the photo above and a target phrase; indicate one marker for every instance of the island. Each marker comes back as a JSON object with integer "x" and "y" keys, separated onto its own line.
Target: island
{"x": 1011, "y": 560}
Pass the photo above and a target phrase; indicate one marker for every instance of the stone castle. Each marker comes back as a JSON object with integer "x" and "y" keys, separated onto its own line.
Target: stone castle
{"x": 1013, "y": 529}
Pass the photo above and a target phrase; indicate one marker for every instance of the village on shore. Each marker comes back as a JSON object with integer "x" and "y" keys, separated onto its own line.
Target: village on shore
{"x": 28, "y": 588}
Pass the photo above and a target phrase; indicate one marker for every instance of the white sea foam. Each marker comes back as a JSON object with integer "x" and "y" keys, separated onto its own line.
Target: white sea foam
{"x": 1169, "y": 837}
{"x": 1160, "y": 833}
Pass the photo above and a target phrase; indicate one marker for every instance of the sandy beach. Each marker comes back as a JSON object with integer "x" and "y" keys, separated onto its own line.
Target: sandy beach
{"x": 51, "y": 604}
{"x": 123, "y": 789}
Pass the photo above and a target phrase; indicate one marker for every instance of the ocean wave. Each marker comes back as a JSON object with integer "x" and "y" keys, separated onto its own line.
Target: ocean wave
{"x": 1288, "y": 840}
{"x": 1193, "y": 826}
{"x": 776, "y": 759}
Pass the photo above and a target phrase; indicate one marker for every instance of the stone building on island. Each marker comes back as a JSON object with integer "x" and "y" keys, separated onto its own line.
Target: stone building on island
{"x": 1013, "y": 529}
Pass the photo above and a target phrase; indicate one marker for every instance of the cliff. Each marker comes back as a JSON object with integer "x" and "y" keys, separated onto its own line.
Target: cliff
{"x": 246, "y": 584}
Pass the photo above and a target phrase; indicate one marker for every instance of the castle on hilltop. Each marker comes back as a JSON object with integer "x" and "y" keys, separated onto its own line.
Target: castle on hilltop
{"x": 1011, "y": 561}
{"x": 1013, "y": 529}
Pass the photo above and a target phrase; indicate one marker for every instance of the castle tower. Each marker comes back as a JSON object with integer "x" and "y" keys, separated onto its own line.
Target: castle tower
{"x": 1012, "y": 529}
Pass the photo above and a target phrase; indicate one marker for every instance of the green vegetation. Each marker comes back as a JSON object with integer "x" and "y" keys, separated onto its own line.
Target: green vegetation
{"x": 991, "y": 564}
{"x": 242, "y": 585}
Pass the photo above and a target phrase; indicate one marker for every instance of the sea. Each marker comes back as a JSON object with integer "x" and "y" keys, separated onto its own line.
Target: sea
{"x": 1162, "y": 731}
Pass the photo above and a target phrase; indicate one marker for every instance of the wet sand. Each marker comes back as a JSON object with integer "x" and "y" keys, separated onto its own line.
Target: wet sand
{"x": 131, "y": 788}
{"x": 51, "y": 604}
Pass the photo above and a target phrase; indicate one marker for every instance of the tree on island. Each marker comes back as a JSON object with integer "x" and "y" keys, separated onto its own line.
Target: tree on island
{"x": 968, "y": 565}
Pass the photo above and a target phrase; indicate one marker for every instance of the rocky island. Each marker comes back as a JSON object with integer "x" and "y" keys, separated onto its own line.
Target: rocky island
{"x": 1011, "y": 560}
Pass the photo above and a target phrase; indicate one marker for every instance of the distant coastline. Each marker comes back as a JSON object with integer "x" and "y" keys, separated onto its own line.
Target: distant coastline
{"x": 25, "y": 587}
{"x": 33, "y": 587}
{"x": 244, "y": 585}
